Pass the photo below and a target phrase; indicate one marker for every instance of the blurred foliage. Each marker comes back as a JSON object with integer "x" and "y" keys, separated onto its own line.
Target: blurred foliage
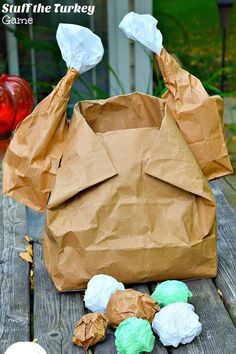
{"x": 232, "y": 128}
{"x": 191, "y": 30}
{"x": 92, "y": 91}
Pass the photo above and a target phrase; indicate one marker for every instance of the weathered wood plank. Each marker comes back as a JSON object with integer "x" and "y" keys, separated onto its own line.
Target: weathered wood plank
{"x": 72, "y": 309}
{"x": 226, "y": 278}
{"x": 108, "y": 345}
{"x": 14, "y": 274}
{"x": 46, "y": 307}
{"x": 227, "y": 186}
{"x": 231, "y": 179}
{"x": 219, "y": 334}
{"x": 143, "y": 288}
{"x": 35, "y": 224}
{"x": 55, "y": 314}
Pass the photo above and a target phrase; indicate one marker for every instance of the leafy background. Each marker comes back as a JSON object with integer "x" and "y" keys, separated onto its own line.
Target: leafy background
{"x": 191, "y": 30}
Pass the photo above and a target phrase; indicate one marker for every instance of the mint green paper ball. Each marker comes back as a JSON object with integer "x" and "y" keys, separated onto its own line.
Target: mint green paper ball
{"x": 171, "y": 291}
{"x": 134, "y": 336}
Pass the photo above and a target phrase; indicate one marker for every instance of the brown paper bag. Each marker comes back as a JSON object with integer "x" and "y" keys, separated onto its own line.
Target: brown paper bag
{"x": 198, "y": 116}
{"x": 32, "y": 158}
{"x": 128, "y": 198}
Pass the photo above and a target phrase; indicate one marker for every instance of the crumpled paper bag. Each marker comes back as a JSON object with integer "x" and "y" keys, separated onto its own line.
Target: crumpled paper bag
{"x": 90, "y": 330}
{"x": 177, "y": 323}
{"x": 99, "y": 290}
{"x": 32, "y": 159}
{"x": 130, "y": 303}
{"x": 95, "y": 222}
{"x": 108, "y": 213}
{"x": 142, "y": 28}
{"x": 198, "y": 116}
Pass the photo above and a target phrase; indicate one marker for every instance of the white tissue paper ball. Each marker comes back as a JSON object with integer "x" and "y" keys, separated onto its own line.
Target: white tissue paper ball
{"x": 142, "y": 28}
{"x": 80, "y": 47}
{"x": 177, "y": 323}
{"x": 25, "y": 348}
{"x": 99, "y": 290}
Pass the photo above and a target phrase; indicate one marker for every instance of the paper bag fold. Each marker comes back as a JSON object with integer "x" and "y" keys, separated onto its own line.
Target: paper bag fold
{"x": 172, "y": 161}
{"x": 198, "y": 116}
{"x": 32, "y": 159}
{"x": 88, "y": 156}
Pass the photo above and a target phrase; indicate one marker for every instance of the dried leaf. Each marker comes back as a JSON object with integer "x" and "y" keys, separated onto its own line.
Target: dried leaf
{"x": 32, "y": 279}
{"x": 220, "y": 293}
{"x": 29, "y": 249}
{"x": 26, "y": 257}
{"x": 28, "y": 239}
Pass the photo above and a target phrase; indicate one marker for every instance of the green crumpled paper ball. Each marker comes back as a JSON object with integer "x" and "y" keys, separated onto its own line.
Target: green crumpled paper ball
{"x": 171, "y": 291}
{"x": 134, "y": 336}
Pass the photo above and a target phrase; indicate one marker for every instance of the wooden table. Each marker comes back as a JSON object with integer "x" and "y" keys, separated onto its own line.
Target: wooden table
{"x": 50, "y": 317}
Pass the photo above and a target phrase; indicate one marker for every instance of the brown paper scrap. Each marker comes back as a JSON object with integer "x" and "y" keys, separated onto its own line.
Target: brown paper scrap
{"x": 90, "y": 330}
{"x": 130, "y": 303}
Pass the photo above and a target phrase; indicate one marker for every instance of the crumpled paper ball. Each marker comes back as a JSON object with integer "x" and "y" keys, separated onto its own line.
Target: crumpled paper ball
{"x": 171, "y": 291}
{"x": 80, "y": 47}
{"x": 99, "y": 290}
{"x": 177, "y": 323}
{"x": 25, "y": 348}
{"x": 142, "y": 28}
{"x": 90, "y": 330}
{"x": 134, "y": 336}
{"x": 130, "y": 303}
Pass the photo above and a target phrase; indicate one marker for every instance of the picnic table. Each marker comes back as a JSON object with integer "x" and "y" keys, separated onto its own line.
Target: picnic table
{"x": 49, "y": 316}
